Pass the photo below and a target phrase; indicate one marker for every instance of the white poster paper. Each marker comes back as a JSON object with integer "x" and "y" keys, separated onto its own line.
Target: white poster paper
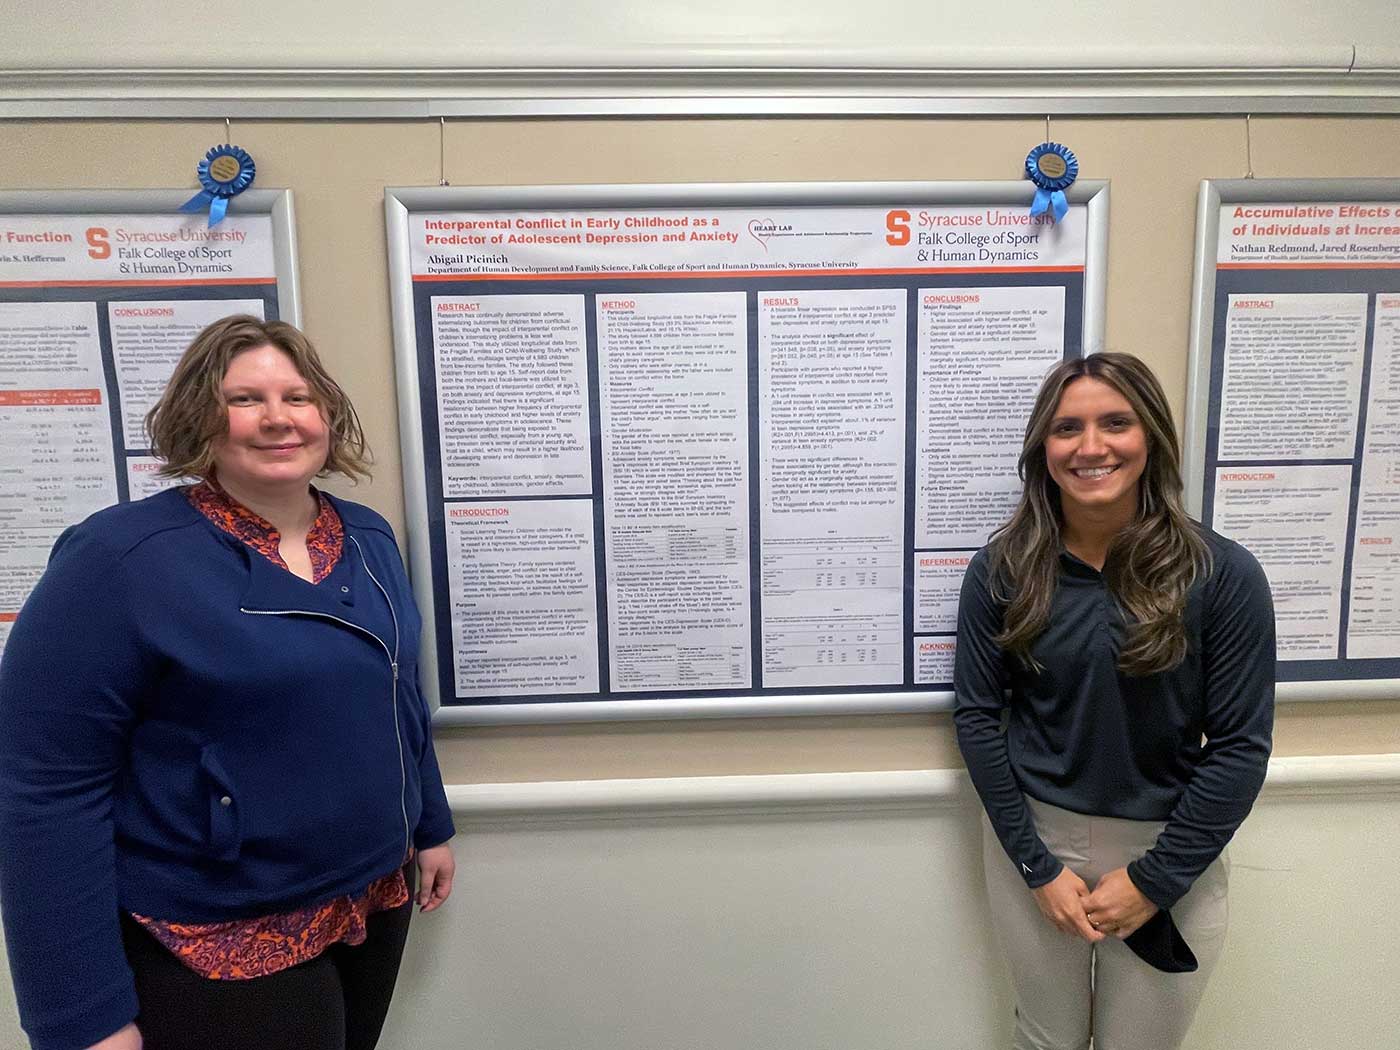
{"x": 673, "y": 380}
{"x": 512, "y": 395}
{"x": 524, "y": 603}
{"x": 831, "y": 453}
{"x": 982, "y": 355}
{"x": 1292, "y": 382}
{"x": 56, "y": 458}
{"x": 1373, "y": 619}
{"x": 148, "y": 338}
{"x": 1294, "y": 520}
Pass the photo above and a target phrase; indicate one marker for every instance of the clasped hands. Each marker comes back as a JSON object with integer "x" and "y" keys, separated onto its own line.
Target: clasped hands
{"x": 1113, "y": 908}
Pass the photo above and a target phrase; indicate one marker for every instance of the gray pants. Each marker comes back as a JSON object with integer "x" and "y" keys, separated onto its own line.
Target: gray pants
{"x": 1068, "y": 989}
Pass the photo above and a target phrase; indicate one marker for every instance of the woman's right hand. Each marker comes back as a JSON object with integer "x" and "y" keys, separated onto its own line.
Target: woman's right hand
{"x": 1061, "y": 900}
{"x": 128, "y": 1038}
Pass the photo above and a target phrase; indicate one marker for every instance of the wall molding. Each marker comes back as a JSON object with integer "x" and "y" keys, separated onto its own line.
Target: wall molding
{"x": 1290, "y": 778}
{"x": 1334, "y": 83}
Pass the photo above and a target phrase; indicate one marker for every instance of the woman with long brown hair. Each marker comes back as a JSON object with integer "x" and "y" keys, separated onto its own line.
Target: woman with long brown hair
{"x": 1114, "y": 704}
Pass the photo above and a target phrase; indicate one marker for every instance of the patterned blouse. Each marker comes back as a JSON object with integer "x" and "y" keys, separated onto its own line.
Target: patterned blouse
{"x": 245, "y": 948}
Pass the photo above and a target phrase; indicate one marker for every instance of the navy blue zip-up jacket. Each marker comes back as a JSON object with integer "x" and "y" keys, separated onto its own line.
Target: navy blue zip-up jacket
{"x": 194, "y": 733}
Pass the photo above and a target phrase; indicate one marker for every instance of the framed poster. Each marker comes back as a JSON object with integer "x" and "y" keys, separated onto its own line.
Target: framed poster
{"x": 700, "y": 450}
{"x": 100, "y": 293}
{"x": 1293, "y": 424}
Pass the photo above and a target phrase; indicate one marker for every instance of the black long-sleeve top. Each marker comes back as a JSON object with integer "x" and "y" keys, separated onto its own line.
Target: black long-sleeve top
{"x": 1085, "y": 737}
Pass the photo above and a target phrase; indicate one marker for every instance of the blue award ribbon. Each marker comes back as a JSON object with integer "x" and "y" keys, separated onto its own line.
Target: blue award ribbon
{"x": 1053, "y": 168}
{"x": 225, "y": 172}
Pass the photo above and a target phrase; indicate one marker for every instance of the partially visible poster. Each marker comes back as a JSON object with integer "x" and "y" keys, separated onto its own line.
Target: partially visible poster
{"x": 1297, "y": 421}
{"x": 98, "y": 299}
{"x": 773, "y": 434}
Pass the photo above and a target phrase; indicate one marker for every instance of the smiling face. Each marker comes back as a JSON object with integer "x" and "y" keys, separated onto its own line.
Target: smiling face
{"x": 1096, "y": 450}
{"x": 277, "y": 439}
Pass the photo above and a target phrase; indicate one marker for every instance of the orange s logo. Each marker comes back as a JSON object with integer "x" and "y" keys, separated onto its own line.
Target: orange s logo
{"x": 897, "y": 222}
{"x": 98, "y": 248}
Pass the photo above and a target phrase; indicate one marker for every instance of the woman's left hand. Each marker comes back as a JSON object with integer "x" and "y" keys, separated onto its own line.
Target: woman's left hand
{"x": 1117, "y": 907}
{"x": 435, "y": 871}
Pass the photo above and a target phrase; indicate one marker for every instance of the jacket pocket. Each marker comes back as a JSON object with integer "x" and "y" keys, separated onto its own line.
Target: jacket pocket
{"x": 225, "y": 834}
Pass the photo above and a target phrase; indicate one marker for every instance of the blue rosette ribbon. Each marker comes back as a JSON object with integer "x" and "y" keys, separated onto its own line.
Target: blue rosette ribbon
{"x": 225, "y": 172}
{"x": 1053, "y": 168}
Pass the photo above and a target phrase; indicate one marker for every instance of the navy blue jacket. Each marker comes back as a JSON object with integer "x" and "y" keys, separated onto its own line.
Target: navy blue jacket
{"x": 193, "y": 733}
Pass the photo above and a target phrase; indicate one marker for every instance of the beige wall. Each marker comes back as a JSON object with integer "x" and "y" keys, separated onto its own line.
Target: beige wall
{"x": 339, "y": 170}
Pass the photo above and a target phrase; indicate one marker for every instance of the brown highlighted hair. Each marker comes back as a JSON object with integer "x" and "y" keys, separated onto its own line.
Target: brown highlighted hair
{"x": 191, "y": 415}
{"x": 1151, "y": 563}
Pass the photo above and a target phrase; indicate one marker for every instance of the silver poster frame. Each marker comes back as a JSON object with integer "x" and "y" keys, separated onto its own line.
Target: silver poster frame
{"x": 401, "y": 202}
{"x": 1214, "y": 193}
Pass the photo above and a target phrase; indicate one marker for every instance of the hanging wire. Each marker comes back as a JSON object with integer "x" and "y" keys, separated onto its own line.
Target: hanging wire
{"x": 442, "y": 152}
{"x": 1248, "y": 149}
{"x": 228, "y": 131}
{"x": 1047, "y": 127}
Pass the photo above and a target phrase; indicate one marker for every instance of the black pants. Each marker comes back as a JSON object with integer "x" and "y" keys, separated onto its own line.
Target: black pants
{"x": 336, "y": 1001}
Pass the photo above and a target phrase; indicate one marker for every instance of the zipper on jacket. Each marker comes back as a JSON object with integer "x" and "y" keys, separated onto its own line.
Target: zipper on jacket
{"x": 393, "y": 656}
{"x": 394, "y": 666}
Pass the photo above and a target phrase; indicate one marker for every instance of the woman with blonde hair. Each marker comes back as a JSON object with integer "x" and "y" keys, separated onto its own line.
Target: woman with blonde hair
{"x": 216, "y": 775}
{"x": 1130, "y": 652}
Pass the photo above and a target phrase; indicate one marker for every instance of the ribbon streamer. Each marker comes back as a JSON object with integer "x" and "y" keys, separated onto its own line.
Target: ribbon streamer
{"x": 1053, "y": 168}
{"x": 225, "y": 172}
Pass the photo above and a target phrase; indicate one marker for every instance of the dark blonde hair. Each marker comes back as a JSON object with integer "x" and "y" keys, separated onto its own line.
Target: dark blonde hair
{"x": 191, "y": 415}
{"x": 1151, "y": 563}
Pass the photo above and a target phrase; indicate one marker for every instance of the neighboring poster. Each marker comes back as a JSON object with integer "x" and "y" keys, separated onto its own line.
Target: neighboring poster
{"x": 100, "y": 293}
{"x": 707, "y": 443}
{"x": 1295, "y": 435}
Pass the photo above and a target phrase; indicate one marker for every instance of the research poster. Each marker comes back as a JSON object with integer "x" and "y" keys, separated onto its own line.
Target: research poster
{"x": 714, "y": 450}
{"x": 95, "y": 309}
{"x": 1302, "y": 448}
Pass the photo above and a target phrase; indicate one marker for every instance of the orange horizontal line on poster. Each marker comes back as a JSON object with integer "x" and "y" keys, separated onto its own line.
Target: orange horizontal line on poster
{"x": 8, "y": 617}
{"x": 1309, "y": 266}
{"x": 116, "y": 282}
{"x": 690, "y": 274}
{"x": 30, "y": 398}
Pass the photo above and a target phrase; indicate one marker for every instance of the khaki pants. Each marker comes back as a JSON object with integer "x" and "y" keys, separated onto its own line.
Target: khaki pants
{"x": 1068, "y": 989}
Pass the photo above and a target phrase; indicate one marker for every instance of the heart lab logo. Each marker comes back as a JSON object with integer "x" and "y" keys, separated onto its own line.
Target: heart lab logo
{"x": 762, "y": 229}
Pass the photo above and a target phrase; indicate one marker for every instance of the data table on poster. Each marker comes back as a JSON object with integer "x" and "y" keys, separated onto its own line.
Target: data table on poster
{"x": 699, "y": 450}
{"x": 95, "y": 309}
{"x": 1301, "y": 454}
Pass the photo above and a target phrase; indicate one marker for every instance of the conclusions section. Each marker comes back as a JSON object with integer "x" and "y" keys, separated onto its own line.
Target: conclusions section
{"x": 982, "y": 355}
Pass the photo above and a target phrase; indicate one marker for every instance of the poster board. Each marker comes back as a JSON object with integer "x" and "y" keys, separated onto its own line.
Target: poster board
{"x": 1293, "y": 426}
{"x": 702, "y": 450}
{"x": 100, "y": 293}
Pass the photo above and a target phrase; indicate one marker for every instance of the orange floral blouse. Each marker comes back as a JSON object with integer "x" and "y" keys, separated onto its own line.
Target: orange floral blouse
{"x": 246, "y": 948}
